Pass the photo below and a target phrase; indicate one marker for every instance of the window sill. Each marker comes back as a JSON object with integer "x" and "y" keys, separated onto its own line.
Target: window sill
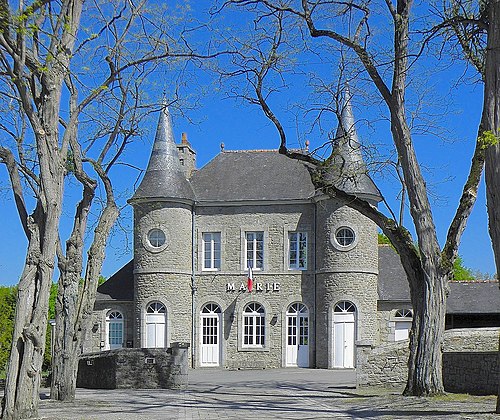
{"x": 254, "y": 349}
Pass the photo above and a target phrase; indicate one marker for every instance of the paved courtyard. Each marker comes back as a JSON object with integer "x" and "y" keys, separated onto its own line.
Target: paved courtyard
{"x": 265, "y": 394}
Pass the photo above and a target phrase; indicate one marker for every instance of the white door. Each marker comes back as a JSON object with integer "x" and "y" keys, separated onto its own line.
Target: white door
{"x": 297, "y": 340}
{"x": 155, "y": 325}
{"x": 343, "y": 335}
{"x": 210, "y": 335}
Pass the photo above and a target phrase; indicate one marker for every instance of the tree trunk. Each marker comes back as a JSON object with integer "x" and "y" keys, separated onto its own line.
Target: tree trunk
{"x": 428, "y": 295}
{"x": 28, "y": 344}
{"x": 491, "y": 123}
{"x": 66, "y": 346}
{"x": 76, "y": 303}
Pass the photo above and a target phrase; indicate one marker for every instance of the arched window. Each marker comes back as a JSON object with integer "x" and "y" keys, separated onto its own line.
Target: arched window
{"x": 404, "y": 313}
{"x": 344, "y": 307}
{"x": 254, "y": 325}
{"x": 114, "y": 324}
{"x": 155, "y": 325}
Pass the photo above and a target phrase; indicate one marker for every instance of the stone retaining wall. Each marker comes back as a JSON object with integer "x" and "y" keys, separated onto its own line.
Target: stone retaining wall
{"x": 468, "y": 355}
{"x": 135, "y": 368}
{"x": 473, "y": 373}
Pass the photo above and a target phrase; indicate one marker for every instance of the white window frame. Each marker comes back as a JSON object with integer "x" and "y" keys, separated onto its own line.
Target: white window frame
{"x": 254, "y": 326}
{"x": 114, "y": 318}
{"x": 254, "y": 261}
{"x": 209, "y": 240}
{"x": 294, "y": 247}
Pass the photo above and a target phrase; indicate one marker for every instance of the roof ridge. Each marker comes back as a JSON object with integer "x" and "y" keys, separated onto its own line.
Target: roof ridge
{"x": 249, "y": 150}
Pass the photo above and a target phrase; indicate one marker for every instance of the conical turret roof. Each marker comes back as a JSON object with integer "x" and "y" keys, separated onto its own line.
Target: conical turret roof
{"x": 164, "y": 177}
{"x": 347, "y": 170}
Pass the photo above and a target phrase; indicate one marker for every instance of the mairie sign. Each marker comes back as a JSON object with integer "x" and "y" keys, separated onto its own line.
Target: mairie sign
{"x": 258, "y": 287}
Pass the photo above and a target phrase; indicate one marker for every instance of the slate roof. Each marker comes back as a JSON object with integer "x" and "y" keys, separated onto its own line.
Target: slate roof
{"x": 473, "y": 297}
{"x": 120, "y": 286}
{"x": 164, "y": 177}
{"x": 248, "y": 175}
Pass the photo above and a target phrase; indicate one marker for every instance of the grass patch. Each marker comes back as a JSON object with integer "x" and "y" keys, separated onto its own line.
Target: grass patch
{"x": 462, "y": 398}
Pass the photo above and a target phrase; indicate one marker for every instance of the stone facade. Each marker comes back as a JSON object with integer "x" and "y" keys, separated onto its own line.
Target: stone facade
{"x": 315, "y": 299}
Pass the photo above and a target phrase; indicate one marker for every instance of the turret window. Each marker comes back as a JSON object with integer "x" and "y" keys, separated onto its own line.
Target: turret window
{"x": 345, "y": 236}
{"x": 156, "y": 238}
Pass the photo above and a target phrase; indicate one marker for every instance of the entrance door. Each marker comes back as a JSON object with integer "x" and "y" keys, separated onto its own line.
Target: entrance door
{"x": 210, "y": 335}
{"x": 297, "y": 340}
{"x": 343, "y": 335}
{"x": 155, "y": 325}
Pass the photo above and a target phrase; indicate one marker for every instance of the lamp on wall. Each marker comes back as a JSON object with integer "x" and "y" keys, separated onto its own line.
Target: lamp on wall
{"x": 95, "y": 327}
{"x": 274, "y": 320}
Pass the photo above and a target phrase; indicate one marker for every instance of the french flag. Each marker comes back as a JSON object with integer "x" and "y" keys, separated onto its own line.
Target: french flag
{"x": 250, "y": 279}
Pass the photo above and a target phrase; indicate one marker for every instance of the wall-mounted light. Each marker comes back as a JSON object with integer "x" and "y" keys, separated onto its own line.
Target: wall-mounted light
{"x": 274, "y": 320}
{"x": 95, "y": 327}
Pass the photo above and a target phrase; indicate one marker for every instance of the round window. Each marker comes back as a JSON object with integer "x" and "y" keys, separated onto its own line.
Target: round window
{"x": 156, "y": 238}
{"x": 345, "y": 236}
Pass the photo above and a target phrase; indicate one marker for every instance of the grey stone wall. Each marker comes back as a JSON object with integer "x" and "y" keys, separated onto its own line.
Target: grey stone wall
{"x": 382, "y": 366}
{"x": 135, "y": 368}
{"x": 471, "y": 339}
{"x": 275, "y": 287}
{"x": 464, "y": 352}
{"x": 469, "y": 372}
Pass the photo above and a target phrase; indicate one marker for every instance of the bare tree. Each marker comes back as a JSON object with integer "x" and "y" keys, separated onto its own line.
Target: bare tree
{"x": 428, "y": 266}
{"x": 475, "y": 28}
{"x": 73, "y": 71}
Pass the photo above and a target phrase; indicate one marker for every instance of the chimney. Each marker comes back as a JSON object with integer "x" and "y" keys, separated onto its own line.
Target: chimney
{"x": 187, "y": 156}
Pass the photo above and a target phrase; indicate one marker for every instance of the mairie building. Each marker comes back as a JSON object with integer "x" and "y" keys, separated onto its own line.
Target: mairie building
{"x": 316, "y": 291}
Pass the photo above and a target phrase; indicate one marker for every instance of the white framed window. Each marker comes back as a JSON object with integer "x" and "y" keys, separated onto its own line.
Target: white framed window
{"x": 211, "y": 250}
{"x": 345, "y": 236}
{"x": 114, "y": 323}
{"x": 156, "y": 238}
{"x": 402, "y": 324}
{"x": 254, "y": 250}
{"x": 297, "y": 250}
{"x": 254, "y": 326}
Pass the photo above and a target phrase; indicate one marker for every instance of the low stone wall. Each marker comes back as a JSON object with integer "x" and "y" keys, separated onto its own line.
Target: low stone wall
{"x": 473, "y": 373}
{"x": 383, "y": 366}
{"x": 135, "y": 368}
{"x": 470, "y": 362}
{"x": 471, "y": 339}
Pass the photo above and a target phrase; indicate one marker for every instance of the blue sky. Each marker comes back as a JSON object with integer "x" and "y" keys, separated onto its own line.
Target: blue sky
{"x": 240, "y": 126}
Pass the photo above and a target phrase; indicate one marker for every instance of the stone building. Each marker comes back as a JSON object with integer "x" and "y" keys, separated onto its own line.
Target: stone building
{"x": 315, "y": 292}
